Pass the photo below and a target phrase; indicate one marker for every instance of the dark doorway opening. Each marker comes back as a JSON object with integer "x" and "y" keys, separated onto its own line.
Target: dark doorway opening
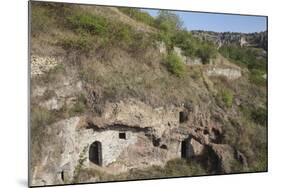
{"x": 95, "y": 153}
{"x": 122, "y": 135}
{"x": 184, "y": 149}
{"x": 62, "y": 175}
{"x": 183, "y": 116}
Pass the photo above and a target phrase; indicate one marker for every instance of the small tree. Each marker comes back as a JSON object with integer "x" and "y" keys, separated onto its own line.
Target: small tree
{"x": 168, "y": 21}
{"x": 175, "y": 64}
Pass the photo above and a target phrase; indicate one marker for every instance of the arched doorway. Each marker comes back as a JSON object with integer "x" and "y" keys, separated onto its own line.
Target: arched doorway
{"x": 183, "y": 116}
{"x": 184, "y": 149}
{"x": 95, "y": 153}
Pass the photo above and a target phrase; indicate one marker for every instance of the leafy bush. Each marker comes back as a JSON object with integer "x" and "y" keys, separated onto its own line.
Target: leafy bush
{"x": 88, "y": 22}
{"x": 260, "y": 116}
{"x": 138, "y": 15}
{"x": 120, "y": 34}
{"x": 256, "y": 77}
{"x": 82, "y": 43}
{"x": 206, "y": 52}
{"x": 168, "y": 21}
{"x": 175, "y": 64}
{"x": 227, "y": 97}
{"x": 185, "y": 41}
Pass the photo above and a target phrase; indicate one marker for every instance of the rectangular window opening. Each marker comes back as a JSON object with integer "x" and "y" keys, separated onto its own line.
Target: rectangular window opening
{"x": 122, "y": 135}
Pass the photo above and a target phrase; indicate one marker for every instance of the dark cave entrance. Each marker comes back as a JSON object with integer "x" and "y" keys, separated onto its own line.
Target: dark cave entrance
{"x": 183, "y": 117}
{"x": 184, "y": 149}
{"x": 95, "y": 153}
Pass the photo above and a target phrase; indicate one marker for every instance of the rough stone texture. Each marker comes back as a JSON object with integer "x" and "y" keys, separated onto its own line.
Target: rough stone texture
{"x": 38, "y": 91}
{"x": 195, "y": 148}
{"x": 162, "y": 47}
{"x": 258, "y": 39}
{"x": 225, "y": 156}
{"x": 229, "y": 73}
{"x": 179, "y": 53}
{"x": 193, "y": 61}
{"x": 243, "y": 42}
{"x": 142, "y": 125}
{"x": 241, "y": 158}
{"x": 41, "y": 65}
{"x": 138, "y": 114}
{"x": 52, "y": 104}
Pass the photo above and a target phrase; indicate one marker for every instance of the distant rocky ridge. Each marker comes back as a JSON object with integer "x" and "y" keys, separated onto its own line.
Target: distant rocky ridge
{"x": 257, "y": 39}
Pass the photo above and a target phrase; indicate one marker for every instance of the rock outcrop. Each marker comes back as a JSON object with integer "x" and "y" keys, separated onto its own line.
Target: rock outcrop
{"x": 258, "y": 40}
{"x": 229, "y": 73}
{"x": 41, "y": 65}
{"x": 132, "y": 135}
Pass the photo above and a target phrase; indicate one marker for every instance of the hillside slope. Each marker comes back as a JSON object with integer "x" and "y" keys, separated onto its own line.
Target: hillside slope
{"x": 100, "y": 77}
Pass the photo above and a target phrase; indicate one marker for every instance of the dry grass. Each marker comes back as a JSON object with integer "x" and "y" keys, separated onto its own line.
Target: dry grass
{"x": 173, "y": 168}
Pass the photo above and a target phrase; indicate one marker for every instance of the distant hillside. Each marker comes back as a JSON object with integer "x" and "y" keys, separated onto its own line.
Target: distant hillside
{"x": 258, "y": 39}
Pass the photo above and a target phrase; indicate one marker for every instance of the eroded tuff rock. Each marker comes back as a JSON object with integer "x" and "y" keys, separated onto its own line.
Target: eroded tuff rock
{"x": 223, "y": 157}
{"x": 128, "y": 134}
{"x": 229, "y": 73}
{"x": 41, "y": 65}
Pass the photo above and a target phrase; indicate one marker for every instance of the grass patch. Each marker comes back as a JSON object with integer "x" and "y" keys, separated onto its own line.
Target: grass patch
{"x": 226, "y": 95}
{"x": 173, "y": 168}
{"x": 260, "y": 116}
{"x": 90, "y": 23}
{"x": 79, "y": 107}
{"x": 83, "y": 43}
{"x": 138, "y": 15}
{"x": 41, "y": 20}
{"x": 256, "y": 77}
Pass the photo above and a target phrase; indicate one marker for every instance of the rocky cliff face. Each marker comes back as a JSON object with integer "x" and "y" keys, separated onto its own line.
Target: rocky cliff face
{"x": 258, "y": 40}
{"x": 152, "y": 136}
{"x": 109, "y": 112}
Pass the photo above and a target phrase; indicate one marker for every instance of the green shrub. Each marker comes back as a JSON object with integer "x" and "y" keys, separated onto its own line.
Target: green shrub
{"x": 175, "y": 64}
{"x": 138, "y": 15}
{"x": 186, "y": 42}
{"x": 206, "y": 52}
{"x": 88, "y": 22}
{"x": 121, "y": 34}
{"x": 253, "y": 59}
{"x": 227, "y": 97}
{"x": 82, "y": 43}
{"x": 260, "y": 116}
{"x": 167, "y": 21}
{"x": 256, "y": 77}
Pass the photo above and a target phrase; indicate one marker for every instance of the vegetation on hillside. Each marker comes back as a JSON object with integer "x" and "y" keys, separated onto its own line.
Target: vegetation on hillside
{"x": 173, "y": 168}
{"x": 119, "y": 61}
{"x": 175, "y": 64}
{"x": 254, "y": 59}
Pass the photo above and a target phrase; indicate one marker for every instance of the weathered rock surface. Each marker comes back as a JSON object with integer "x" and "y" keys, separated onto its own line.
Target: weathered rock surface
{"x": 52, "y": 104}
{"x": 148, "y": 141}
{"x": 224, "y": 155}
{"x": 229, "y": 73}
{"x": 41, "y": 65}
